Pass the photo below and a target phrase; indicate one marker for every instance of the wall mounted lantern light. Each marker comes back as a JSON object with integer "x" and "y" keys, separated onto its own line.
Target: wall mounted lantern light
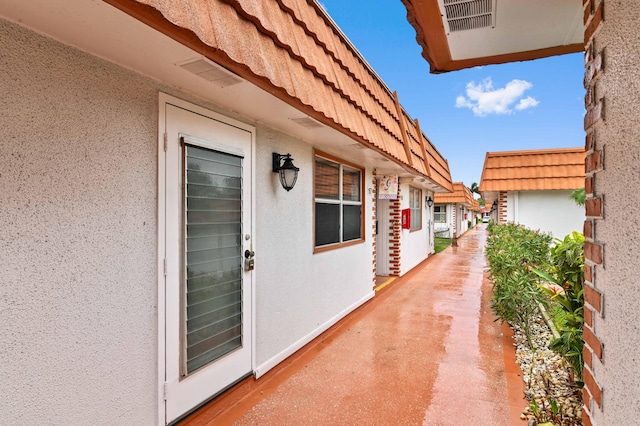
{"x": 288, "y": 172}
{"x": 428, "y": 201}
{"x": 494, "y": 206}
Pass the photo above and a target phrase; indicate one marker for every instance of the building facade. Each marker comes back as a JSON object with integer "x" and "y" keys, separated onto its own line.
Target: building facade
{"x": 151, "y": 255}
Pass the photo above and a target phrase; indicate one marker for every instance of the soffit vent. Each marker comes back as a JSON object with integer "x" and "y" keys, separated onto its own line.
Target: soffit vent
{"x": 357, "y": 146}
{"x": 469, "y": 14}
{"x": 210, "y": 71}
{"x": 306, "y": 122}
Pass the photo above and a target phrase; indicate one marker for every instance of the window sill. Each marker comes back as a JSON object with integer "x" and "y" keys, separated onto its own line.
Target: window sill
{"x": 337, "y": 246}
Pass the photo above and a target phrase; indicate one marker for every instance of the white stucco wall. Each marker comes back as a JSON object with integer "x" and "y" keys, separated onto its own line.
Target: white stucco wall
{"x": 549, "y": 211}
{"x": 415, "y": 244}
{"x": 78, "y": 240}
{"x": 451, "y": 216}
{"x": 300, "y": 293}
{"x": 618, "y": 183}
{"x": 463, "y": 224}
{"x": 77, "y": 237}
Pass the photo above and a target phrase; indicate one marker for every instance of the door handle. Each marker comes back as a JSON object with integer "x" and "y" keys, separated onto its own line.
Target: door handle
{"x": 249, "y": 261}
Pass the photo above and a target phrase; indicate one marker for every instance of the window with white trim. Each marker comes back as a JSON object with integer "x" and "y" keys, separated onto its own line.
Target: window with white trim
{"x": 415, "y": 204}
{"x": 440, "y": 214}
{"x": 338, "y": 202}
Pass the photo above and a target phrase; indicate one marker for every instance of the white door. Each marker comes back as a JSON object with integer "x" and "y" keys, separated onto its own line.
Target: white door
{"x": 209, "y": 227}
{"x": 382, "y": 238}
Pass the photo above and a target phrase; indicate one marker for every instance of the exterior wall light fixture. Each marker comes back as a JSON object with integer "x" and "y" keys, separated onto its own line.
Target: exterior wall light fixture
{"x": 428, "y": 201}
{"x": 494, "y": 206}
{"x": 288, "y": 172}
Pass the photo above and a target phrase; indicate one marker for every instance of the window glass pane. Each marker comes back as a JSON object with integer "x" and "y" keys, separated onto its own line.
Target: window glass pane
{"x": 352, "y": 223}
{"x": 327, "y": 182}
{"x": 415, "y": 196}
{"x": 213, "y": 215}
{"x": 350, "y": 184}
{"x": 416, "y": 219}
{"x": 327, "y": 224}
{"x": 416, "y": 210}
{"x": 412, "y": 198}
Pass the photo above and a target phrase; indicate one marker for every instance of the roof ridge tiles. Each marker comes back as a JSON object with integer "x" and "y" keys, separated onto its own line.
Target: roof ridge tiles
{"x": 534, "y": 151}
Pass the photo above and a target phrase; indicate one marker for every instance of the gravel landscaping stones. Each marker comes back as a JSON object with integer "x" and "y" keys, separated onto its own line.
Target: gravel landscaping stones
{"x": 547, "y": 378}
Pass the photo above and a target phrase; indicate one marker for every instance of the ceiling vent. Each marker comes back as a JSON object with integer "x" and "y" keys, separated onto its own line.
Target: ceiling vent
{"x": 307, "y": 122}
{"x": 210, "y": 71}
{"x": 469, "y": 14}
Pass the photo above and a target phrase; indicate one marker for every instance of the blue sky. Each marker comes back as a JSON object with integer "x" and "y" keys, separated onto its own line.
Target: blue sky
{"x": 525, "y": 105}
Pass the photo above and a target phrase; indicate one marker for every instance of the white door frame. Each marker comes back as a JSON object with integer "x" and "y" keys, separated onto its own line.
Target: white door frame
{"x": 382, "y": 238}
{"x": 165, "y": 99}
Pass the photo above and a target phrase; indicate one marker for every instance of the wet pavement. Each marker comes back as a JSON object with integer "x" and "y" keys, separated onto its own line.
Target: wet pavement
{"x": 425, "y": 350}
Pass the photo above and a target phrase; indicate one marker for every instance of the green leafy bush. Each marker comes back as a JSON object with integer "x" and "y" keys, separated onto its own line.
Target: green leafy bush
{"x": 567, "y": 294}
{"x": 513, "y": 252}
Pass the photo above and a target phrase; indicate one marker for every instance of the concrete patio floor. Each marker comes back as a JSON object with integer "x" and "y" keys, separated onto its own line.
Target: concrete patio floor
{"x": 425, "y": 350}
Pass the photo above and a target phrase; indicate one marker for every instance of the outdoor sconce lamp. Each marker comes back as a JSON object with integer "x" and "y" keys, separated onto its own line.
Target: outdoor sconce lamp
{"x": 494, "y": 206}
{"x": 288, "y": 172}
{"x": 428, "y": 201}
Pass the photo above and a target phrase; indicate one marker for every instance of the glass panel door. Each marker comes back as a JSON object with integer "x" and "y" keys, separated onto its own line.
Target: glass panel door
{"x": 208, "y": 225}
{"x": 213, "y": 261}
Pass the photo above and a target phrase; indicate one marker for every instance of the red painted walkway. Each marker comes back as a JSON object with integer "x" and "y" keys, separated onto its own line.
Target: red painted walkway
{"x": 425, "y": 350}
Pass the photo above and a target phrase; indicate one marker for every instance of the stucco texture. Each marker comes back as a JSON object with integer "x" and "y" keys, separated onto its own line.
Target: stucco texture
{"x": 77, "y": 236}
{"x": 417, "y": 244}
{"x": 78, "y": 240}
{"x": 549, "y": 211}
{"x": 618, "y": 184}
{"x": 299, "y": 292}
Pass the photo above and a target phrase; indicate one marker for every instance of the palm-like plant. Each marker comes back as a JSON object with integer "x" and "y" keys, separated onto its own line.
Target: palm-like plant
{"x": 579, "y": 196}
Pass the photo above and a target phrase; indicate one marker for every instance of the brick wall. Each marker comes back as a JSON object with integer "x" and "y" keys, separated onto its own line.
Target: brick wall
{"x": 374, "y": 236}
{"x": 502, "y": 207}
{"x": 395, "y": 228}
{"x": 593, "y": 249}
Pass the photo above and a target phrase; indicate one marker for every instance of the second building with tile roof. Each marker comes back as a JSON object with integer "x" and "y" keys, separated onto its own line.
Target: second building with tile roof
{"x": 533, "y": 187}
{"x": 454, "y": 211}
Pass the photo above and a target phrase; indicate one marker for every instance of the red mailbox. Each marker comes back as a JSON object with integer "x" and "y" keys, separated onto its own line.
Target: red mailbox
{"x": 406, "y": 219}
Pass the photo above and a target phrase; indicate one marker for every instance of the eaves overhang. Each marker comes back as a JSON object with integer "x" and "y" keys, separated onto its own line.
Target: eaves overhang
{"x": 294, "y": 51}
{"x": 514, "y": 31}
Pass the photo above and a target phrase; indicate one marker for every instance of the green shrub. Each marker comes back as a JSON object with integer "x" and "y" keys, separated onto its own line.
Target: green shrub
{"x": 513, "y": 248}
{"x": 513, "y": 252}
{"x": 567, "y": 275}
{"x": 515, "y": 300}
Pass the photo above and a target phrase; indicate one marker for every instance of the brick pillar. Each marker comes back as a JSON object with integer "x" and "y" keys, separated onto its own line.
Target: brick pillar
{"x": 395, "y": 230}
{"x": 594, "y": 206}
{"x": 502, "y": 207}
{"x": 374, "y": 236}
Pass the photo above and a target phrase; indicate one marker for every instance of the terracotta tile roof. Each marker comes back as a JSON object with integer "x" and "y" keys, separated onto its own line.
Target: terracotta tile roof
{"x": 461, "y": 194}
{"x": 293, "y": 50}
{"x": 545, "y": 169}
{"x": 475, "y": 207}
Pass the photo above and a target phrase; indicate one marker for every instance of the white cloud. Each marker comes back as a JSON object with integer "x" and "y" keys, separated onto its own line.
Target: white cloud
{"x": 527, "y": 102}
{"x": 483, "y": 99}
